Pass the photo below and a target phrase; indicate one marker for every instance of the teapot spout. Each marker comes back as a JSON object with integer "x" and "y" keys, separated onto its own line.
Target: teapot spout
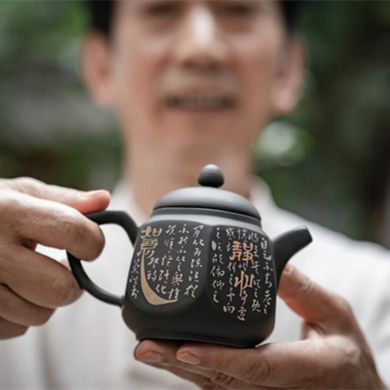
{"x": 287, "y": 245}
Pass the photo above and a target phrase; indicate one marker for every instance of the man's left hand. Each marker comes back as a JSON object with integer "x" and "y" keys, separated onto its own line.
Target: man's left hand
{"x": 332, "y": 354}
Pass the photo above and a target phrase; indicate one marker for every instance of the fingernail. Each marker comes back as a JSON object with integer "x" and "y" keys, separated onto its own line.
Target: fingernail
{"x": 186, "y": 357}
{"x": 91, "y": 194}
{"x": 288, "y": 269}
{"x": 150, "y": 357}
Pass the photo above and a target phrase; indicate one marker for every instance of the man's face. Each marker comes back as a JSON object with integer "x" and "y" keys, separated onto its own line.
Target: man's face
{"x": 193, "y": 75}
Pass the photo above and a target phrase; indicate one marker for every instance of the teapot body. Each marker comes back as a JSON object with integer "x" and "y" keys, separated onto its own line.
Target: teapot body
{"x": 202, "y": 268}
{"x": 201, "y": 275}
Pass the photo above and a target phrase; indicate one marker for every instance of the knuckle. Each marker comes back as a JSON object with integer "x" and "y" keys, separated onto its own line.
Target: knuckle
{"x": 73, "y": 226}
{"x": 64, "y": 291}
{"x": 207, "y": 384}
{"x": 8, "y": 330}
{"x": 222, "y": 379}
{"x": 7, "y": 263}
{"x": 97, "y": 245}
{"x": 258, "y": 372}
{"x": 70, "y": 223}
{"x": 41, "y": 316}
{"x": 19, "y": 330}
{"x": 307, "y": 286}
{"x": 8, "y": 203}
{"x": 342, "y": 305}
{"x": 178, "y": 363}
{"x": 85, "y": 240}
{"x": 343, "y": 310}
{"x": 28, "y": 185}
{"x": 351, "y": 356}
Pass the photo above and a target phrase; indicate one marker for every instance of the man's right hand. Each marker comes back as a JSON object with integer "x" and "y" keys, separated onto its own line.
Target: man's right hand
{"x": 33, "y": 285}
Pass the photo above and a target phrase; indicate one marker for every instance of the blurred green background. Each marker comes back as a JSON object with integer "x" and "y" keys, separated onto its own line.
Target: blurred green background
{"x": 329, "y": 162}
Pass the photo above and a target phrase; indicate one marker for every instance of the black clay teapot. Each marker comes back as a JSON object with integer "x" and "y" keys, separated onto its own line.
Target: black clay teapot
{"x": 202, "y": 267}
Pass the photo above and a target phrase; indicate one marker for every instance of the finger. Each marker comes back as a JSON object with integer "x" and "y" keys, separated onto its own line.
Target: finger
{"x": 271, "y": 365}
{"x": 162, "y": 354}
{"x": 157, "y": 351}
{"x": 165, "y": 349}
{"x": 85, "y": 202}
{"x": 209, "y": 379}
{"x": 51, "y": 224}
{"x": 38, "y": 279}
{"x": 314, "y": 303}
{"x": 9, "y": 329}
{"x": 200, "y": 380}
{"x": 19, "y": 311}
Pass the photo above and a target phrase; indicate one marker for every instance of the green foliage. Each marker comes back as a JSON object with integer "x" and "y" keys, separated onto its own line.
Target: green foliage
{"x": 329, "y": 161}
{"x": 342, "y": 180}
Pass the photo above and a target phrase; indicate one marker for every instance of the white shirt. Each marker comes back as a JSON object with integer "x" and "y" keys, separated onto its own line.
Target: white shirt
{"x": 87, "y": 345}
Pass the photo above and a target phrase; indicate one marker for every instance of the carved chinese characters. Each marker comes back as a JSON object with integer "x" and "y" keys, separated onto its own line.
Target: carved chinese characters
{"x": 168, "y": 263}
{"x": 241, "y": 277}
{"x": 174, "y": 263}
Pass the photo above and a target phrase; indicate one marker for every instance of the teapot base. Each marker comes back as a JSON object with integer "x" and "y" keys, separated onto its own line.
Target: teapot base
{"x": 186, "y": 337}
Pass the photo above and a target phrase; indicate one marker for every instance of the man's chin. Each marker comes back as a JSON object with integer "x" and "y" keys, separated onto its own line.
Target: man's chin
{"x": 198, "y": 154}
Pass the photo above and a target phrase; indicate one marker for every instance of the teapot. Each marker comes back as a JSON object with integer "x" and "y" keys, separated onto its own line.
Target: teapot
{"x": 202, "y": 268}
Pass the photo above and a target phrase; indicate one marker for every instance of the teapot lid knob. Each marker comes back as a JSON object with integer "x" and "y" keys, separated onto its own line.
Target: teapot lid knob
{"x": 208, "y": 196}
{"x": 211, "y": 176}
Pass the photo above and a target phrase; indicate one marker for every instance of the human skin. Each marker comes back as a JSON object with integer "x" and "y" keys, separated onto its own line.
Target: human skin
{"x": 32, "y": 285}
{"x": 161, "y": 47}
{"x": 241, "y": 48}
{"x": 332, "y": 352}
{"x": 151, "y": 54}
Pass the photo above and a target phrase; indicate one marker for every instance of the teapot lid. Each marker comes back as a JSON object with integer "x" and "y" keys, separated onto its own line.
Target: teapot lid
{"x": 208, "y": 195}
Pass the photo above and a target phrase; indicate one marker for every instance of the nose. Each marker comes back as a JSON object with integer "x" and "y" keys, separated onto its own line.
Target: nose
{"x": 200, "y": 43}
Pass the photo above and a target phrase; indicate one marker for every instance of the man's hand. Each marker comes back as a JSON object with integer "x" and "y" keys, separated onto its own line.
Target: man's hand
{"x": 332, "y": 353}
{"x": 33, "y": 285}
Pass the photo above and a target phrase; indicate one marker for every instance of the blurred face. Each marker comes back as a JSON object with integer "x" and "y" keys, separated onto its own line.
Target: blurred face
{"x": 197, "y": 75}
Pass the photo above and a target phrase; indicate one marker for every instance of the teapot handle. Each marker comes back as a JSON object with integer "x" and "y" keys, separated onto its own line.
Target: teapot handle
{"x": 128, "y": 224}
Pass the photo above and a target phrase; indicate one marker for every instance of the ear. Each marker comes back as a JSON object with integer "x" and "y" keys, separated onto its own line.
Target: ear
{"x": 290, "y": 79}
{"x": 96, "y": 69}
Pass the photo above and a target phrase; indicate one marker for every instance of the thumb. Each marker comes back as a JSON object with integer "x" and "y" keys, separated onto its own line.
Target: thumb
{"x": 313, "y": 302}
{"x": 85, "y": 202}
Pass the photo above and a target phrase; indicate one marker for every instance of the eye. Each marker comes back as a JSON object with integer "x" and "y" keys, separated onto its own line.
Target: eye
{"x": 237, "y": 9}
{"x": 163, "y": 8}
